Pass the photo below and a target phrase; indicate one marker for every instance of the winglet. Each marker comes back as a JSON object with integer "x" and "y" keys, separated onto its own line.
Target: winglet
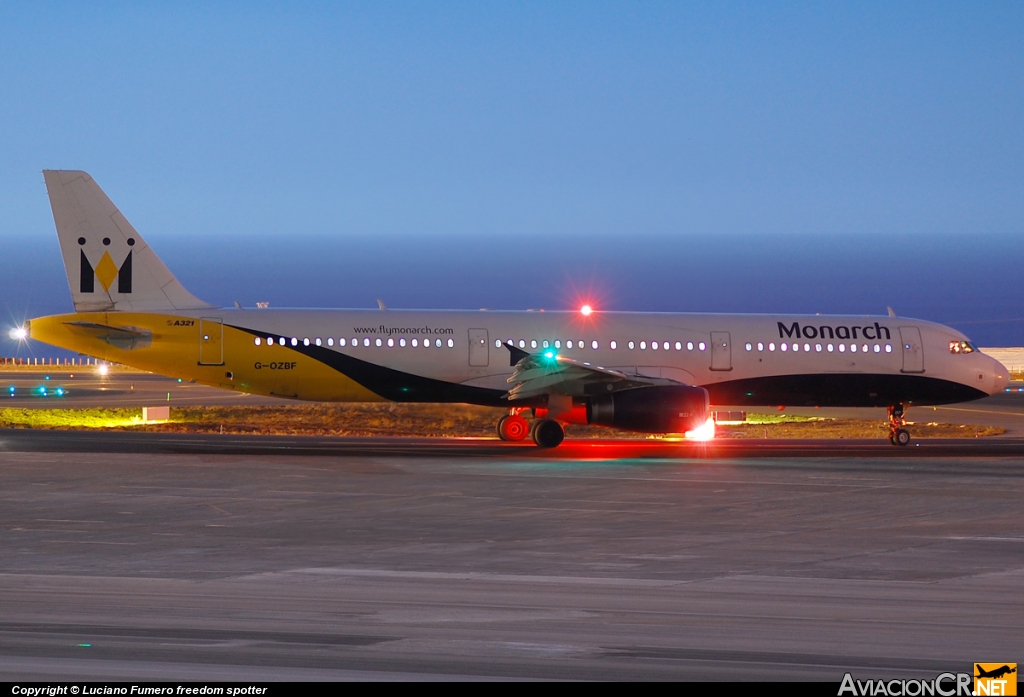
{"x": 381, "y": 305}
{"x": 515, "y": 354}
{"x": 892, "y": 313}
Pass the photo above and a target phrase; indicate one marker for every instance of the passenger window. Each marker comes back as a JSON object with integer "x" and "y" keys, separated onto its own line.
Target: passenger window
{"x": 613, "y": 345}
{"x": 341, "y": 342}
{"x": 654, "y": 346}
{"x": 593, "y": 345}
{"x": 702, "y": 346}
{"x": 378, "y": 342}
{"x": 318, "y": 342}
{"x": 842, "y": 348}
{"x": 829, "y": 347}
{"x": 760, "y": 346}
{"x": 546, "y": 344}
{"x": 401, "y": 342}
{"x": 888, "y": 348}
{"x": 853, "y": 348}
{"x": 330, "y": 341}
{"x": 568, "y": 344}
{"x": 784, "y": 347}
{"x": 689, "y": 345}
{"x": 748, "y": 346}
{"x": 497, "y": 343}
{"x": 632, "y": 345}
{"x": 771, "y": 346}
{"x": 258, "y": 341}
{"x": 817, "y": 347}
{"x": 679, "y": 346}
{"x": 533, "y": 343}
{"x": 643, "y": 345}
{"x": 391, "y": 343}
{"x": 451, "y": 343}
{"x": 437, "y": 343}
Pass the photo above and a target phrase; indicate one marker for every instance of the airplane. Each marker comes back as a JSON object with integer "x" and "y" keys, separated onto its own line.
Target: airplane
{"x": 647, "y": 372}
{"x": 996, "y": 673}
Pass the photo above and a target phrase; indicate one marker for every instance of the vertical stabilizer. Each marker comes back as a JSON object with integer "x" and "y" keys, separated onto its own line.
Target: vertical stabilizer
{"x": 109, "y": 265}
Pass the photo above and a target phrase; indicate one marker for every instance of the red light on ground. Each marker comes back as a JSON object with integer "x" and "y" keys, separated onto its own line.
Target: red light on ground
{"x": 586, "y": 310}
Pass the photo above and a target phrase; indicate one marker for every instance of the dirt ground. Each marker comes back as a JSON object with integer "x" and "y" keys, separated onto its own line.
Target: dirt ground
{"x": 429, "y": 420}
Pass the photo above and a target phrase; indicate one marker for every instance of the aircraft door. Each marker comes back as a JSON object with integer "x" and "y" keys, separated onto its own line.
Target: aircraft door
{"x": 479, "y": 347}
{"x": 211, "y": 341}
{"x": 721, "y": 351}
{"x": 913, "y": 350}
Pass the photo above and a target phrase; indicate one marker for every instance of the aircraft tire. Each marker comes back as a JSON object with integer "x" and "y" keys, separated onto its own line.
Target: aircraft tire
{"x": 513, "y": 427}
{"x": 548, "y": 434}
{"x": 901, "y": 437}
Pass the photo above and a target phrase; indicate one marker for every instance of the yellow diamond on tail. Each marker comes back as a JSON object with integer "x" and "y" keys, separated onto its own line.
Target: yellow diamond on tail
{"x": 106, "y": 271}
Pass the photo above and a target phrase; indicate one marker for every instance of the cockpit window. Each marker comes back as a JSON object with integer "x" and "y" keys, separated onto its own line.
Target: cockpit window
{"x": 962, "y": 347}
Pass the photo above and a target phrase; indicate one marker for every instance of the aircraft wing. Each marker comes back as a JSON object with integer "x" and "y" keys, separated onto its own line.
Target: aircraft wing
{"x": 547, "y": 373}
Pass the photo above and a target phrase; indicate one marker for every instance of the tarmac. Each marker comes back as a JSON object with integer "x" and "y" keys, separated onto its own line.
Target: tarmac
{"x": 138, "y": 556}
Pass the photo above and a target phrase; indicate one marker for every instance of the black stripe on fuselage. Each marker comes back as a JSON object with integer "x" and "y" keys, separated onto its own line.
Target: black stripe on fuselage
{"x": 391, "y": 384}
{"x": 841, "y": 390}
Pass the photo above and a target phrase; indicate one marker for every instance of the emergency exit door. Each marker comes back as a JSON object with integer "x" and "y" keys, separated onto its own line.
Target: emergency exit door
{"x": 913, "y": 351}
{"x": 211, "y": 341}
{"x": 721, "y": 351}
{"x": 479, "y": 347}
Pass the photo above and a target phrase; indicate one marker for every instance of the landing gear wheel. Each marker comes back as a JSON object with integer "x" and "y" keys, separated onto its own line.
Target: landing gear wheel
{"x": 548, "y": 433}
{"x": 898, "y": 434}
{"x": 513, "y": 427}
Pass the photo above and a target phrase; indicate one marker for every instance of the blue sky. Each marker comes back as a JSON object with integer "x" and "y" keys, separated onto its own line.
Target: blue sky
{"x": 220, "y": 126}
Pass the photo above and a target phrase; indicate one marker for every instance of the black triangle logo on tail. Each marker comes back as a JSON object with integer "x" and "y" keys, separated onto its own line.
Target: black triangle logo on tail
{"x": 88, "y": 276}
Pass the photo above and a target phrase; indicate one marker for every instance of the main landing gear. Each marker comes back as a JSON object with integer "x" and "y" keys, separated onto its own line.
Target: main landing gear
{"x": 513, "y": 426}
{"x": 546, "y": 433}
{"x": 898, "y": 434}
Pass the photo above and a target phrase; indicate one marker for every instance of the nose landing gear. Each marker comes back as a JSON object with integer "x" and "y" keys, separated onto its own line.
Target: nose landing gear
{"x": 898, "y": 434}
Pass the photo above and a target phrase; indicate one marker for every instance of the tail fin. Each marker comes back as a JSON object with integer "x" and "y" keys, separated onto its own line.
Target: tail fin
{"x": 109, "y": 265}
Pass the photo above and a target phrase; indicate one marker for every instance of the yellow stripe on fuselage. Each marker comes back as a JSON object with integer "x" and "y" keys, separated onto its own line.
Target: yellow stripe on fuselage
{"x": 174, "y": 350}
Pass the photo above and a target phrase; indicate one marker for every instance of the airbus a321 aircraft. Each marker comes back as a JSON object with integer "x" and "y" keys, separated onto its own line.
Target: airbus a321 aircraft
{"x": 650, "y": 372}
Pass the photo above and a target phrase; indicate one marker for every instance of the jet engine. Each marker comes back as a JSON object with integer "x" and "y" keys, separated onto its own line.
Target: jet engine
{"x": 668, "y": 409}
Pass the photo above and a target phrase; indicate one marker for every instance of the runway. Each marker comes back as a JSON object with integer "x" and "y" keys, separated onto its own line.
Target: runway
{"x": 204, "y": 559}
{"x": 141, "y": 443}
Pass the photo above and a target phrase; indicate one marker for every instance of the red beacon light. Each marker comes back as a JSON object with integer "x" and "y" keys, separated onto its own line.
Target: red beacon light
{"x": 586, "y": 310}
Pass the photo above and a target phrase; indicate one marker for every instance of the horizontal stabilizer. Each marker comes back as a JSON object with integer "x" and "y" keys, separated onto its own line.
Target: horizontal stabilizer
{"x": 124, "y": 338}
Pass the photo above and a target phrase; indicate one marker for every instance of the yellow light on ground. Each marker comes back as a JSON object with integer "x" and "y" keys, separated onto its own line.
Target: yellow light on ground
{"x": 702, "y": 433}
{"x": 102, "y": 369}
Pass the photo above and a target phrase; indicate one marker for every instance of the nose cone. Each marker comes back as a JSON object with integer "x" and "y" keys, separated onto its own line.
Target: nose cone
{"x": 1000, "y": 376}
